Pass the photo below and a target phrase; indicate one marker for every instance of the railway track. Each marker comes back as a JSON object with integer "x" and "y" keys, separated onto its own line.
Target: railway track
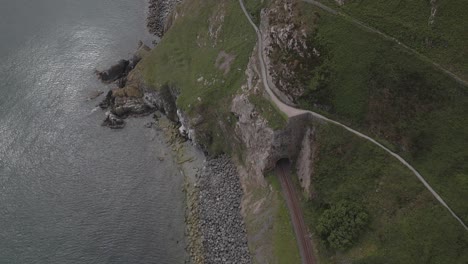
{"x": 297, "y": 218}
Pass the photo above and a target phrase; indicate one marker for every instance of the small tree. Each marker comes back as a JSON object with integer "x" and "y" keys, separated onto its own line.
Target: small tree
{"x": 341, "y": 225}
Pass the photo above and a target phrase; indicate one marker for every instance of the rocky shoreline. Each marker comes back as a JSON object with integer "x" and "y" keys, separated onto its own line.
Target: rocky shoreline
{"x": 130, "y": 97}
{"x": 220, "y": 221}
{"x": 214, "y": 225}
{"x": 215, "y": 228}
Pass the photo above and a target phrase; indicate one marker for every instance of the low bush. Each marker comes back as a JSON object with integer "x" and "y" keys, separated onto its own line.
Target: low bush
{"x": 341, "y": 225}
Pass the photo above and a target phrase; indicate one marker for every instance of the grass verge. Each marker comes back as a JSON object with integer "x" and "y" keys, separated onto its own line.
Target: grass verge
{"x": 275, "y": 118}
{"x": 376, "y": 87}
{"x": 407, "y": 224}
{"x": 284, "y": 240}
{"x": 444, "y": 39}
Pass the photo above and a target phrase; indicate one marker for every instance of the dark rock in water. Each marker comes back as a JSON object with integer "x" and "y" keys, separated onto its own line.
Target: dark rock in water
{"x": 115, "y": 72}
{"x": 149, "y": 125}
{"x": 121, "y": 82}
{"x": 132, "y": 97}
{"x": 113, "y": 122}
{"x": 107, "y": 102}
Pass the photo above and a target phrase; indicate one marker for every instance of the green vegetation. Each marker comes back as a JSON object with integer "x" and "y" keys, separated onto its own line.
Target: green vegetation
{"x": 342, "y": 224}
{"x": 406, "y": 224}
{"x": 186, "y": 58}
{"x": 276, "y": 119}
{"x": 444, "y": 40}
{"x": 377, "y": 87}
{"x": 364, "y": 81}
{"x": 254, "y": 7}
{"x": 285, "y": 244}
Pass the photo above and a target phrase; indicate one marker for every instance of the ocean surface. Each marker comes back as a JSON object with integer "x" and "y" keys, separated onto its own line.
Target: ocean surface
{"x": 72, "y": 191}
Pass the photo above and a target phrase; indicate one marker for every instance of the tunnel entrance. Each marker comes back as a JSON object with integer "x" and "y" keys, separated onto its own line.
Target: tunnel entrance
{"x": 283, "y": 167}
{"x": 283, "y": 162}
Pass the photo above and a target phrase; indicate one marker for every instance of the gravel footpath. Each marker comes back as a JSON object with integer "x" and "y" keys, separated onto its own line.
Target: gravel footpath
{"x": 224, "y": 235}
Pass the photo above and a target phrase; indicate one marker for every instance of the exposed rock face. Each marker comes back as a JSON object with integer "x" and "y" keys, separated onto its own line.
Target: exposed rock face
{"x": 290, "y": 52}
{"x": 115, "y": 72}
{"x": 255, "y": 134}
{"x": 341, "y": 2}
{"x": 132, "y": 97}
{"x": 216, "y": 23}
{"x": 264, "y": 146}
{"x": 187, "y": 125}
{"x": 121, "y": 69}
{"x": 433, "y": 12}
{"x": 113, "y": 121}
{"x": 159, "y": 17}
{"x": 305, "y": 160}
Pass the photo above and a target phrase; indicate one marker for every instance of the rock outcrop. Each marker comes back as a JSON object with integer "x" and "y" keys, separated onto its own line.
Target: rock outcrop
{"x": 218, "y": 189}
{"x": 290, "y": 52}
{"x": 132, "y": 97}
{"x": 263, "y": 145}
{"x": 305, "y": 161}
{"x": 341, "y": 2}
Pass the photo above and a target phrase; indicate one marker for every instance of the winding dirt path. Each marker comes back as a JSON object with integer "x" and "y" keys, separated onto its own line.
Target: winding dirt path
{"x": 291, "y": 111}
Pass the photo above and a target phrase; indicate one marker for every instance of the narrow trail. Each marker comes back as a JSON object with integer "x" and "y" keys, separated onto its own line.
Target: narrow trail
{"x": 297, "y": 218}
{"x": 387, "y": 37}
{"x": 291, "y": 111}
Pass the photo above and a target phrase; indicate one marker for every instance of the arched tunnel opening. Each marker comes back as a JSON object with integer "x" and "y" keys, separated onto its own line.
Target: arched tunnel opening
{"x": 283, "y": 164}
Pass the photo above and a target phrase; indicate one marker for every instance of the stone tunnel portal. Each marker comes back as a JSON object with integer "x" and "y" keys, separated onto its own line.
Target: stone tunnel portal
{"x": 283, "y": 164}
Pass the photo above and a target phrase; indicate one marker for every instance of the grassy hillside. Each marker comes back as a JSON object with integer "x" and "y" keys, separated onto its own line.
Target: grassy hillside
{"x": 190, "y": 58}
{"x": 444, "y": 40}
{"x": 407, "y": 225}
{"x": 375, "y": 86}
{"x": 204, "y": 56}
{"x": 366, "y": 82}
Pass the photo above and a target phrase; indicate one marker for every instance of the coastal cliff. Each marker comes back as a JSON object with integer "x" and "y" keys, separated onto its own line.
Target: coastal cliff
{"x": 241, "y": 122}
{"x": 204, "y": 75}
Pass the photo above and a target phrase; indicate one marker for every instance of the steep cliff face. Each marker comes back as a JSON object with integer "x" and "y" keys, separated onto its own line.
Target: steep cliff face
{"x": 305, "y": 161}
{"x": 220, "y": 99}
{"x": 259, "y": 138}
{"x": 264, "y": 146}
{"x": 291, "y": 54}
